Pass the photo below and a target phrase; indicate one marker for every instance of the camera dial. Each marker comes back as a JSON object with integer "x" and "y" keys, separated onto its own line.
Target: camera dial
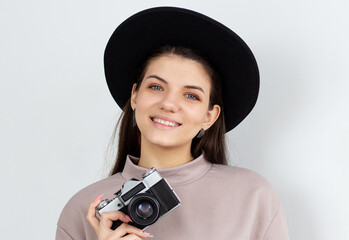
{"x": 102, "y": 204}
{"x": 148, "y": 172}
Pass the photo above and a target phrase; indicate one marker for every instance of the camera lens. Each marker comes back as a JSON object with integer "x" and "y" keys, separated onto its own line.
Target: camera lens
{"x": 144, "y": 209}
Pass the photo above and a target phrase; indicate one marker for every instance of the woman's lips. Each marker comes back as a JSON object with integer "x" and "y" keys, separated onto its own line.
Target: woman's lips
{"x": 165, "y": 122}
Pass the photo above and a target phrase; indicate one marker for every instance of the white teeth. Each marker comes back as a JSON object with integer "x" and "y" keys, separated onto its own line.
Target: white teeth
{"x": 167, "y": 123}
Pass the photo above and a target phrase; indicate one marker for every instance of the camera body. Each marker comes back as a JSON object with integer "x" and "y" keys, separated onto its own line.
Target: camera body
{"x": 144, "y": 201}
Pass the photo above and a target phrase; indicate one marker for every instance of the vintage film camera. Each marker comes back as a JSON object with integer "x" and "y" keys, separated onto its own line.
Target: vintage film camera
{"x": 144, "y": 201}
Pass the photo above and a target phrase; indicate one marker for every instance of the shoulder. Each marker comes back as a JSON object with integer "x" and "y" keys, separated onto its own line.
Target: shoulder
{"x": 73, "y": 216}
{"x": 239, "y": 175}
{"x": 254, "y": 196}
{"x": 106, "y": 186}
{"x": 244, "y": 182}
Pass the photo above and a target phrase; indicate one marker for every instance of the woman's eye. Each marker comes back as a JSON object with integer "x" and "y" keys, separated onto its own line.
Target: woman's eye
{"x": 191, "y": 96}
{"x": 155, "y": 87}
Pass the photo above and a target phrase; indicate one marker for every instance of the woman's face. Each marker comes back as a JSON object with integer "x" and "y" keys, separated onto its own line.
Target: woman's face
{"x": 172, "y": 103}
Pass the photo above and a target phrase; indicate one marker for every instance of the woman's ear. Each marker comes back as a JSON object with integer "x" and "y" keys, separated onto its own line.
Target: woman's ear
{"x": 212, "y": 116}
{"x": 133, "y": 96}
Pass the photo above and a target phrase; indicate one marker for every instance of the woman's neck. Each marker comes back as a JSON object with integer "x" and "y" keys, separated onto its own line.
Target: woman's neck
{"x": 161, "y": 157}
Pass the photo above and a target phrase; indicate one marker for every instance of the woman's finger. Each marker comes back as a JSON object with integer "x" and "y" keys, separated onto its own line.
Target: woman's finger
{"x": 124, "y": 229}
{"x": 131, "y": 237}
{"x": 91, "y": 213}
{"x": 107, "y": 218}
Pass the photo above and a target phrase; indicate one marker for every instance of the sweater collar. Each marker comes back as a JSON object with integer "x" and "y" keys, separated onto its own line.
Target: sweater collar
{"x": 179, "y": 175}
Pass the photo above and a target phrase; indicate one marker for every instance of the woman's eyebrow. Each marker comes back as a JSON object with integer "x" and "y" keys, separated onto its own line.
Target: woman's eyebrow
{"x": 186, "y": 86}
{"x": 195, "y": 87}
{"x": 158, "y": 78}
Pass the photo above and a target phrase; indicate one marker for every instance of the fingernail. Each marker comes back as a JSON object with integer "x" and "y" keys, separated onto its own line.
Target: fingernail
{"x": 128, "y": 218}
{"x": 99, "y": 197}
{"x": 148, "y": 234}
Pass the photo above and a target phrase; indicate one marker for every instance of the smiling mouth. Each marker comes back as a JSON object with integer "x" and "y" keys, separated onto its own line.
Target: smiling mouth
{"x": 166, "y": 123}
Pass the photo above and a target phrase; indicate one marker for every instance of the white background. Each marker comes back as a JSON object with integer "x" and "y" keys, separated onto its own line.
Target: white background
{"x": 57, "y": 115}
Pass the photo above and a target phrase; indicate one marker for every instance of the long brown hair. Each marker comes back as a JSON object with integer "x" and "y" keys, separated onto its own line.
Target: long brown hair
{"x": 213, "y": 141}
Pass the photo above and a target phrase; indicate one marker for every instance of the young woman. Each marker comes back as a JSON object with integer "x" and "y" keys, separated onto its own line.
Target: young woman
{"x": 183, "y": 80}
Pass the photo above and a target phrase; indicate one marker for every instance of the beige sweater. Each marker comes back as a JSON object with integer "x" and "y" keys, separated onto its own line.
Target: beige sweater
{"x": 217, "y": 202}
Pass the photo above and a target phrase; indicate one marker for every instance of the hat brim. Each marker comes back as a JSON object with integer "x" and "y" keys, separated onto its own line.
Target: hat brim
{"x": 139, "y": 35}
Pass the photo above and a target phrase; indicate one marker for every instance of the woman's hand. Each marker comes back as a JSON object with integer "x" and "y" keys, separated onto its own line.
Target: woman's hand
{"x": 102, "y": 226}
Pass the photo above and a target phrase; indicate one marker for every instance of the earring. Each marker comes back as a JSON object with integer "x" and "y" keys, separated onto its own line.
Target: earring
{"x": 134, "y": 123}
{"x": 201, "y": 133}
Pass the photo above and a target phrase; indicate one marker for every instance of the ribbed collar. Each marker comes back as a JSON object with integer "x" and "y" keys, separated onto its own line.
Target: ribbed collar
{"x": 179, "y": 175}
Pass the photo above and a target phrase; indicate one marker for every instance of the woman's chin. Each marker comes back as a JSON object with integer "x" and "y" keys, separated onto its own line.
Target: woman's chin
{"x": 167, "y": 143}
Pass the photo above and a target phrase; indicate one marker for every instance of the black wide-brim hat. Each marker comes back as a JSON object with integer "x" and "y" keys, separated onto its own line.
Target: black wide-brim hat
{"x": 135, "y": 39}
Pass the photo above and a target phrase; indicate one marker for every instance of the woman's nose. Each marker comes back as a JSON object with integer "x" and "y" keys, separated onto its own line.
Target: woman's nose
{"x": 170, "y": 102}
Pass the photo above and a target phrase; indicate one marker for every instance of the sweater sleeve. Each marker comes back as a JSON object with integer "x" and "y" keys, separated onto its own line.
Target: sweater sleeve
{"x": 277, "y": 229}
{"x": 72, "y": 223}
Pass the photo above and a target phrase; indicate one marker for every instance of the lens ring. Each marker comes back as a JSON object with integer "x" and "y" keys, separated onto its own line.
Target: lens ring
{"x": 144, "y": 209}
